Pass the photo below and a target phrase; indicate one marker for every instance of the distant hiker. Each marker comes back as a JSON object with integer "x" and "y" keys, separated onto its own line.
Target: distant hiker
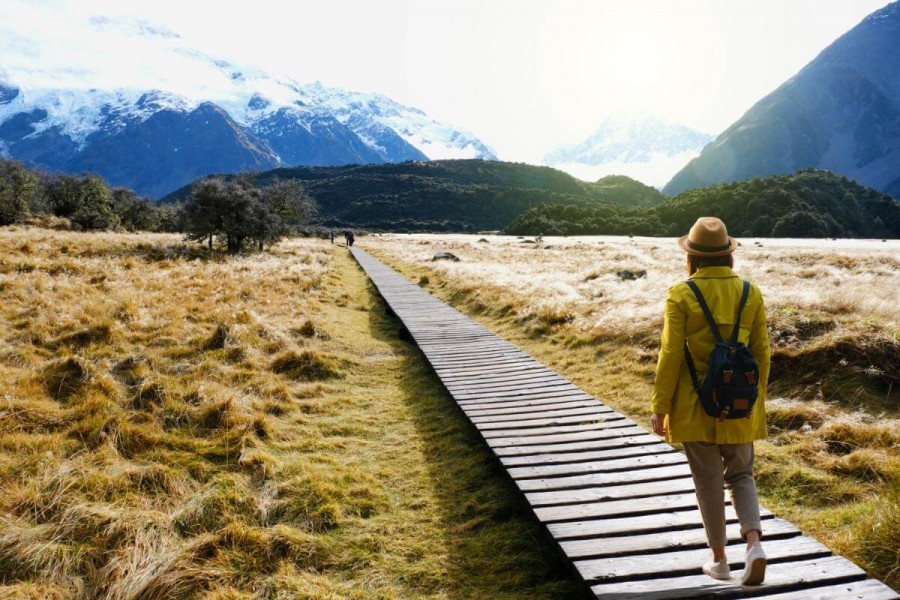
{"x": 350, "y": 237}
{"x": 332, "y": 236}
{"x": 715, "y": 326}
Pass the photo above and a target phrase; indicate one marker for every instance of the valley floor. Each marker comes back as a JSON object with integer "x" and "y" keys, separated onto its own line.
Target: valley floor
{"x": 178, "y": 425}
{"x": 591, "y": 308}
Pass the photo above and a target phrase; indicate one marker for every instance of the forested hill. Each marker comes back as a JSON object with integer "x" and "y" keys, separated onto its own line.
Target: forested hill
{"x": 447, "y": 195}
{"x": 810, "y": 203}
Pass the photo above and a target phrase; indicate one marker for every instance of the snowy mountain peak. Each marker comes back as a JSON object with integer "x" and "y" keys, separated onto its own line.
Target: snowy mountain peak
{"x": 641, "y": 146}
{"x": 65, "y": 120}
{"x": 630, "y": 137}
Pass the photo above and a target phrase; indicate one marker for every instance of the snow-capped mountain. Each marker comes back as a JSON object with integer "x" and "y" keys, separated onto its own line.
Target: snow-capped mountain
{"x": 638, "y": 145}
{"x": 840, "y": 113}
{"x": 156, "y": 140}
{"x": 630, "y": 138}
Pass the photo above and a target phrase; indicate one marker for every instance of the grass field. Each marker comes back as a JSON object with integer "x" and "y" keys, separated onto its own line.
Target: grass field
{"x": 592, "y": 309}
{"x": 177, "y": 425}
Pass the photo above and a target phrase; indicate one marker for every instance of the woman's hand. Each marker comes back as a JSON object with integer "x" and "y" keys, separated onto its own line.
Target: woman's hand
{"x": 658, "y": 421}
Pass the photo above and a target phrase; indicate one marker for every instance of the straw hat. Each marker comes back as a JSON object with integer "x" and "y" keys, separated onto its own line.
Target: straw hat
{"x": 708, "y": 237}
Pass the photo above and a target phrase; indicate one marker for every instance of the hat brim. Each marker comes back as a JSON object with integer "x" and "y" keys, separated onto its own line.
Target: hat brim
{"x": 683, "y": 243}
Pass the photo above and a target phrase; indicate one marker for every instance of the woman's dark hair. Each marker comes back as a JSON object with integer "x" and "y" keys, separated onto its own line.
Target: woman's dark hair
{"x": 698, "y": 262}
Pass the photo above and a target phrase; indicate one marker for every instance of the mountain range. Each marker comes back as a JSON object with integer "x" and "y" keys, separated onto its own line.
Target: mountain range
{"x": 841, "y": 113}
{"x": 154, "y": 141}
{"x": 631, "y": 143}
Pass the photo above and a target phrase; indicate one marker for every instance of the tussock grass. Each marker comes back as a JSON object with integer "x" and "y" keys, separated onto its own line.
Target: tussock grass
{"x": 307, "y": 365}
{"x": 833, "y": 457}
{"x": 174, "y": 425}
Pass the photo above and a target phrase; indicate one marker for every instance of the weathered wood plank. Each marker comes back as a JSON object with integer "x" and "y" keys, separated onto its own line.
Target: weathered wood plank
{"x": 635, "y": 498}
{"x": 540, "y": 415}
{"x": 561, "y": 434}
{"x": 498, "y": 389}
{"x": 637, "y": 524}
{"x": 594, "y": 480}
{"x": 485, "y": 409}
{"x": 564, "y": 396}
{"x": 617, "y": 452}
{"x": 622, "y": 441}
{"x": 788, "y": 576}
{"x": 593, "y": 419}
{"x": 648, "y": 543}
{"x": 551, "y": 391}
{"x": 568, "y": 437}
{"x": 689, "y": 562}
{"x": 867, "y": 589}
{"x": 630, "y": 464}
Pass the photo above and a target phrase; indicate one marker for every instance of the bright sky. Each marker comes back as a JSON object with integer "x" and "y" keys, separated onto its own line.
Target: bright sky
{"x": 523, "y": 75}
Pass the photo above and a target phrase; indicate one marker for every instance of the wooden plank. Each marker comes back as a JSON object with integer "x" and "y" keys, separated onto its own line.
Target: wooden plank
{"x": 530, "y": 379}
{"x": 463, "y": 353}
{"x": 599, "y": 449}
{"x": 648, "y": 543}
{"x": 630, "y": 464}
{"x": 595, "y": 411}
{"x": 612, "y": 441}
{"x": 595, "y": 482}
{"x": 573, "y": 433}
{"x": 480, "y": 383}
{"x": 613, "y": 501}
{"x": 481, "y": 409}
{"x": 867, "y": 589}
{"x": 689, "y": 562}
{"x": 492, "y": 389}
{"x": 466, "y": 347}
{"x": 547, "y": 391}
{"x": 637, "y": 524}
{"x": 793, "y": 575}
{"x": 526, "y": 372}
{"x": 487, "y": 372}
{"x": 616, "y": 452}
{"x": 489, "y": 362}
{"x": 541, "y": 397}
{"x": 569, "y": 437}
{"x": 592, "y": 419}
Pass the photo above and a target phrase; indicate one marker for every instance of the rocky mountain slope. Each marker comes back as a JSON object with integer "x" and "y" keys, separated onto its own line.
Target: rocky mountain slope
{"x": 840, "y": 113}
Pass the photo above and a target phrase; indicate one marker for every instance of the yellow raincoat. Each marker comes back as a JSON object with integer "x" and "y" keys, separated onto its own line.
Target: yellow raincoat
{"x": 673, "y": 393}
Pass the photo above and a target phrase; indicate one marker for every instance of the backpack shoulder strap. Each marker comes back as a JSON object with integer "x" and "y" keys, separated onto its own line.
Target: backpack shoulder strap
{"x": 737, "y": 324}
{"x": 706, "y": 311}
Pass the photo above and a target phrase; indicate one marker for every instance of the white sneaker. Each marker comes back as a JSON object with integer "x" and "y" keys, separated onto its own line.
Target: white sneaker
{"x": 718, "y": 569}
{"x": 754, "y": 566}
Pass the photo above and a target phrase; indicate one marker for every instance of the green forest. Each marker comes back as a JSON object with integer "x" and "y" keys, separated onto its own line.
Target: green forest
{"x": 451, "y": 196}
{"x": 446, "y": 195}
{"x": 810, "y": 203}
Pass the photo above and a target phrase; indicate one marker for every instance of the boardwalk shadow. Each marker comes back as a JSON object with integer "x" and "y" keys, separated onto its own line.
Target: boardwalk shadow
{"x": 493, "y": 545}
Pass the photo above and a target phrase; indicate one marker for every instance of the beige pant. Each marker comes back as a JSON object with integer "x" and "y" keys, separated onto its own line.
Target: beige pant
{"x": 731, "y": 465}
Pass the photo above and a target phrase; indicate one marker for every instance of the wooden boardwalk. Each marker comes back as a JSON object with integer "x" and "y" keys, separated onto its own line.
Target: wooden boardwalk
{"x": 619, "y": 502}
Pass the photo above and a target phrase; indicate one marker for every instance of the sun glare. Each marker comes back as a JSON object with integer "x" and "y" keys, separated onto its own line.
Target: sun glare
{"x": 636, "y": 61}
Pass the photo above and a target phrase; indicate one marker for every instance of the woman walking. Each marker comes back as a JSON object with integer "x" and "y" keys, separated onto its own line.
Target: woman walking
{"x": 719, "y": 448}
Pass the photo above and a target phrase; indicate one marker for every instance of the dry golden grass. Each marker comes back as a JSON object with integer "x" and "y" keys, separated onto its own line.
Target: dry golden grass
{"x": 832, "y": 463}
{"x": 175, "y": 425}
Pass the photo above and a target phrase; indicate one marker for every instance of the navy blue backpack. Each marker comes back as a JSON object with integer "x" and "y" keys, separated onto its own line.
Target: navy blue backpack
{"x": 729, "y": 389}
